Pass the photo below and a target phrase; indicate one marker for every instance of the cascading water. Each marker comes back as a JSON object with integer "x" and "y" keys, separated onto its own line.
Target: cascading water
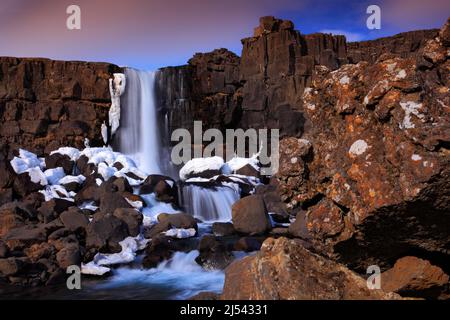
{"x": 209, "y": 205}
{"x": 139, "y": 134}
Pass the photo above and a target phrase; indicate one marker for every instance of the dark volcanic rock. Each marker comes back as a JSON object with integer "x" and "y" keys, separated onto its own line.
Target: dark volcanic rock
{"x": 58, "y": 160}
{"x": 213, "y": 254}
{"x": 221, "y": 229}
{"x": 132, "y": 218}
{"x": 402, "y": 45}
{"x": 250, "y": 215}
{"x": 74, "y": 219}
{"x": 105, "y": 233}
{"x": 53, "y": 103}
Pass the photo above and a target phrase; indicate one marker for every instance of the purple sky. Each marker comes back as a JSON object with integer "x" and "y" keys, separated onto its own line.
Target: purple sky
{"x": 149, "y": 34}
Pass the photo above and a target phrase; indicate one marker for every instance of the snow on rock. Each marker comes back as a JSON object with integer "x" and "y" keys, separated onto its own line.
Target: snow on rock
{"x": 72, "y": 153}
{"x": 90, "y": 205}
{"x": 30, "y": 158}
{"x": 94, "y": 270}
{"x": 19, "y": 165}
{"x": 127, "y": 162}
{"x": 180, "y": 233}
{"x": 116, "y": 89}
{"x": 54, "y": 175}
{"x": 37, "y": 176}
{"x": 70, "y": 179}
{"x": 57, "y": 191}
{"x": 135, "y": 204}
{"x": 25, "y": 161}
{"x": 410, "y": 108}
{"x": 130, "y": 246}
{"x": 358, "y": 147}
{"x": 237, "y": 163}
{"x": 105, "y": 171}
{"x": 198, "y": 165}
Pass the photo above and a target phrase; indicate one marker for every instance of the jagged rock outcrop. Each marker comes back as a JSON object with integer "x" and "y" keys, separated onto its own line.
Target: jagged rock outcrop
{"x": 285, "y": 270}
{"x": 45, "y": 104}
{"x": 376, "y": 185}
{"x": 402, "y": 45}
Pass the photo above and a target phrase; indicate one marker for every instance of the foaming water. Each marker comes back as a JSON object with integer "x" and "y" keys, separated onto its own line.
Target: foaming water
{"x": 209, "y": 205}
{"x": 178, "y": 278}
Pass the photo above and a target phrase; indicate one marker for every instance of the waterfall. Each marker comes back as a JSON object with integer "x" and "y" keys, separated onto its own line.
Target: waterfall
{"x": 140, "y": 129}
{"x": 144, "y": 135}
{"x": 209, "y": 205}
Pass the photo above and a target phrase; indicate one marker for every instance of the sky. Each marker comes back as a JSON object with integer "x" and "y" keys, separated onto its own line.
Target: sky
{"x": 148, "y": 34}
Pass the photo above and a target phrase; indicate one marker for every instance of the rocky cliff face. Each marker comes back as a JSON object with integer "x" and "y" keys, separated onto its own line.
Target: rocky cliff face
{"x": 263, "y": 88}
{"x": 45, "y": 104}
{"x": 374, "y": 184}
{"x": 402, "y": 45}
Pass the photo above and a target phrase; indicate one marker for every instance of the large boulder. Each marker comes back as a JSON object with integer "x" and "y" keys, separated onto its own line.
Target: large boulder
{"x": 132, "y": 218}
{"x": 414, "y": 277}
{"x": 50, "y": 210}
{"x": 56, "y": 160}
{"x": 105, "y": 233}
{"x": 25, "y": 236}
{"x": 74, "y": 219}
{"x": 213, "y": 254}
{"x": 250, "y": 216}
{"x": 285, "y": 270}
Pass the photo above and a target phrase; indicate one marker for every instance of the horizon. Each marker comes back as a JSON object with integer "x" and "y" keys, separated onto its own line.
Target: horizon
{"x": 157, "y": 35}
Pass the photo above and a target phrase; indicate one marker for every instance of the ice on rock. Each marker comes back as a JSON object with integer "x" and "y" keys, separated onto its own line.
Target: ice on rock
{"x": 198, "y": 165}
{"x": 37, "y": 176}
{"x": 116, "y": 89}
{"x": 104, "y": 131}
{"x": 54, "y": 175}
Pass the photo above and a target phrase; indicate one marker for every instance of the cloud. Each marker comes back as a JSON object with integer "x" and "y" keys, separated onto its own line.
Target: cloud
{"x": 351, "y": 36}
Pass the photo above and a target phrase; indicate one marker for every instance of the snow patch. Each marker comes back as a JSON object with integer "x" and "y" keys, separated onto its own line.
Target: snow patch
{"x": 72, "y": 153}
{"x": 70, "y": 179}
{"x": 54, "y": 175}
{"x": 37, "y": 176}
{"x": 410, "y": 108}
{"x": 416, "y": 157}
{"x": 344, "y": 80}
{"x": 358, "y": 147}
{"x": 180, "y": 233}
